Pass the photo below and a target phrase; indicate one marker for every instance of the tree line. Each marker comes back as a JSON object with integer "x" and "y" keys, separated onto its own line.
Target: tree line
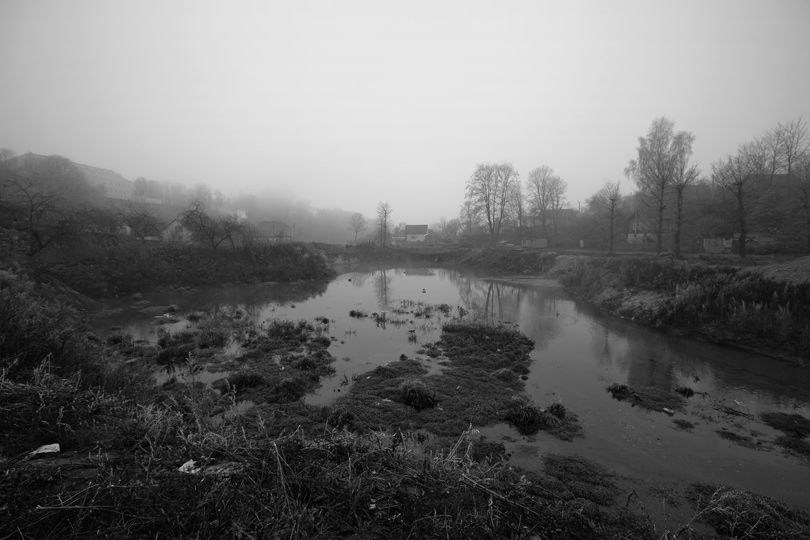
{"x": 763, "y": 187}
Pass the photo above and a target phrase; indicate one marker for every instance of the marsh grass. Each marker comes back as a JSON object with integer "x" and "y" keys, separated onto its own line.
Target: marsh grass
{"x": 736, "y": 513}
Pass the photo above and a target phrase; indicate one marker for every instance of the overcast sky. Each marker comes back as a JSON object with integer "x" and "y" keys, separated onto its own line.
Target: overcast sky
{"x": 345, "y": 104}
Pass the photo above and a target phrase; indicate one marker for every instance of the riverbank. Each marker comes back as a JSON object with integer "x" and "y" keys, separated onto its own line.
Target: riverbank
{"x": 763, "y": 309}
{"x": 123, "y": 271}
{"x": 128, "y": 447}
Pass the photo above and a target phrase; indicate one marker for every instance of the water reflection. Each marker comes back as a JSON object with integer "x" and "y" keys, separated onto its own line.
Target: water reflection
{"x": 571, "y": 339}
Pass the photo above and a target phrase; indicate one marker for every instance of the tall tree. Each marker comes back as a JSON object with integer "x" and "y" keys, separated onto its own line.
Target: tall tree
{"x": 517, "y": 207}
{"x": 654, "y": 169}
{"x": 488, "y": 190}
{"x": 607, "y": 200}
{"x": 737, "y": 174}
{"x": 539, "y": 190}
{"x": 793, "y": 144}
{"x": 557, "y": 199}
{"x": 384, "y": 212}
{"x": 469, "y": 217}
{"x": 357, "y": 224}
{"x": 685, "y": 174}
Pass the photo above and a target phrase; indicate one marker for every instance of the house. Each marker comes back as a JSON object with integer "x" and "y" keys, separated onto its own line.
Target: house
{"x": 174, "y": 231}
{"x": 416, "y": 233}
{"x": 273, "y": 231}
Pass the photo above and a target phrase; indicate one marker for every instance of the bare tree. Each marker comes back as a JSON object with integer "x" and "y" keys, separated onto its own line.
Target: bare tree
{"x": 557, "y": 189}
{"x": 43, "y": 198}
{"x": 203, "y": 227}
{"x": 469, "y": 217}
{"x": 654, "y": 169}
{"x": 737, "y": 175}
{"x": 608, "y": 199}
{"x": 384, "y": 212}
{"x": 538, "y": 187}
{"x": 793, "y": 144}
{"x": 686, "y": 173}
{"x": 517, "y": 207}
{"x": 488, "y": 190}
{"x": 357, "y": 224}
{"x": 230, "y": 228}
{"x": 141, "y": 221}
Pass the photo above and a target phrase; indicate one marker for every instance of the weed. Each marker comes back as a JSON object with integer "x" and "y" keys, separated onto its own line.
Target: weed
{"x": 736, "y": 513}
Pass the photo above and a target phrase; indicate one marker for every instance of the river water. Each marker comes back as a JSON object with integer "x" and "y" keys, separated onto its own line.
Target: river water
{"x": 578, "y": 352}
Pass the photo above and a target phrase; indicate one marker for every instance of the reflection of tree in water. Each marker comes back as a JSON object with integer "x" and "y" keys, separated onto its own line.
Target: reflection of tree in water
{"x": 359, "y": 279}
{"x": 535, "y": 309}
{"x": 256, "y": 299}
{"x": 646, "y": 360}
{"x": 382, "y": 289}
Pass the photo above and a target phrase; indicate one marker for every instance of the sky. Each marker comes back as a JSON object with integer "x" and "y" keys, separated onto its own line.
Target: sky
{"x": 347, "y": 104}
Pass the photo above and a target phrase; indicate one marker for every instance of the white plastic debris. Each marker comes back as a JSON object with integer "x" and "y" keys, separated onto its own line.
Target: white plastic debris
{"x": 189, "y": 467}
{"x": 46, "y": 449}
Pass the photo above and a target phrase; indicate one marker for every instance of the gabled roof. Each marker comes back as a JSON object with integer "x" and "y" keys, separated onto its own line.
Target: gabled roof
{"x": 416, "y": 229}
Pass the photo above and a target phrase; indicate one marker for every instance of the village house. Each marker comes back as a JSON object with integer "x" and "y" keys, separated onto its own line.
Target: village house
{"x": 416, "y": 233}
{"x": 273, "y": 231}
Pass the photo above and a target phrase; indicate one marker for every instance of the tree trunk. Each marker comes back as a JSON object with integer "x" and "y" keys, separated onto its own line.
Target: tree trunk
{"x": 660, "y": 231}
{"x": 743, "y": 226}
{"x": 610, "y": 242}
{"x": 678, "y": 224}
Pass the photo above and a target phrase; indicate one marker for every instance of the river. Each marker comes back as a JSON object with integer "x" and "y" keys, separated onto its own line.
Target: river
{"x": 578, "y": 352}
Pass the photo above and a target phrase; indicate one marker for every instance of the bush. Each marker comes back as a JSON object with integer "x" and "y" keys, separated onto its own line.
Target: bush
{"x": 34, "y": 328}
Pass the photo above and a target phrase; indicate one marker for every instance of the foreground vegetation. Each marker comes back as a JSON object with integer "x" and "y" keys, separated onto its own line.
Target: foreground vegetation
{"x": 397, "y": 457}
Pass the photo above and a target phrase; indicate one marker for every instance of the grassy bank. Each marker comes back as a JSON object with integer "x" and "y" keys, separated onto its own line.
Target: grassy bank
{"x": 137, "y": 268}
{"x": 719, "y": 303}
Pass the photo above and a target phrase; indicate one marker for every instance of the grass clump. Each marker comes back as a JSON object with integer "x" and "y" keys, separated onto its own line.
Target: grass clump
{"x": 417, "y": 394}
{"x": 797, "y": 445}
{"x": 528, "y": 419}
{"x": 648, "y": 397}
{"x": 581, "y": 477}
{"x": 736, "y": 438}
{"x": 685, "y": 391}
{"x": 736, "y": 513}
{"x": 795, "y": 425}
{"x": 683, "y": 424}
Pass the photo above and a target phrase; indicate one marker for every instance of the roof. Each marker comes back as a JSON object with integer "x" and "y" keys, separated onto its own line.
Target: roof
{"x": 273, "y": 228}
{"x": 416, "y": 229}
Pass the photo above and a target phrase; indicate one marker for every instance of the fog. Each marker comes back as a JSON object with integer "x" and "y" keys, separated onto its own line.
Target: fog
{"x": 314, "y": 106}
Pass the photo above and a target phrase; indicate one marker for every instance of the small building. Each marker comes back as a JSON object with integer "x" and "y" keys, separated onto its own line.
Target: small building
{"x": 535, "y": 243}
{"x": 273, "y": 231}
{"x": 174, "y": 231}
{"x": 416, "y": 233}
